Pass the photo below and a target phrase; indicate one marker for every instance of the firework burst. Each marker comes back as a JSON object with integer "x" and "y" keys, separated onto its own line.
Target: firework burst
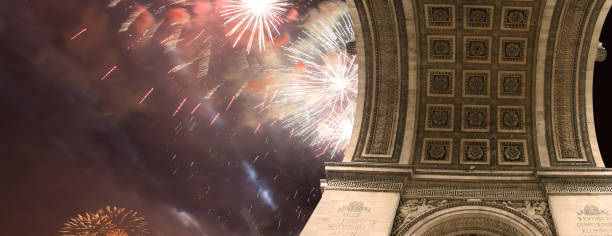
{"x": 86, "y": 224}
{"x": 260, "y": 17}
{"x": 317, "y": 97}
{"x": 108, "y": 221}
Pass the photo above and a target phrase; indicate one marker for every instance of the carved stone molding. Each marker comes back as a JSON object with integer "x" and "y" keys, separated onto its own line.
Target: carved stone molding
{"x": 568, "y": 48}
{"x": 506, "y": 191}
{"x": 579, "y": 186}
{"x": 364, "y": 182}
{"x": 385, "y": 80}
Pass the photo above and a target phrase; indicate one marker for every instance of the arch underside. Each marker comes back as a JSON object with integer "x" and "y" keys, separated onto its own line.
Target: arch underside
{"x": 494, "y": 84}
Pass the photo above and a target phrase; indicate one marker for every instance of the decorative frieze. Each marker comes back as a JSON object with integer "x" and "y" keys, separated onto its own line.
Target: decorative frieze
{"x": 364, "y": 182}
{"x": 474, "y": 190}
{"x": 586, "y": 186}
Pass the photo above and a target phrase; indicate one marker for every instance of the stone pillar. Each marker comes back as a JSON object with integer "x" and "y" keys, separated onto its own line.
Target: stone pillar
{"x": 581, "y": 207}
{"x": 353, "y": 213}
{"x": 357, "y": 200}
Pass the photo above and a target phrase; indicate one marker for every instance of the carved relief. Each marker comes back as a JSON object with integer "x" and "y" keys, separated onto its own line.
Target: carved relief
{"x": 476, "y": 83}
{"x": 512, "y": 152}
{"x": 441, "y": 83}
{"x": 439, "y": 117}
{"x": 478, "y": 17}
{"x": 441, "y": 48}
{"x": 440, "y": 16}
{"x": 511, "y": 119}
{"x": 511, "y": 84}
{"x": 475, "y": 152}
{"x": 411, "y": 208}
{"x": 437, "y": 150}
{"x": 512, "y": 50}
{"x": 355, "y": 206}
{"x": 537, "y": 211}
{"x": 516, "y": 18}
{"x": 477, "y": 49}
{"x": 475, "y": 118}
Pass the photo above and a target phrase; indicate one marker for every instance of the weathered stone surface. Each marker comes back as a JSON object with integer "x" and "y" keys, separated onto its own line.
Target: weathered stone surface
{"x": 350, "y": 213}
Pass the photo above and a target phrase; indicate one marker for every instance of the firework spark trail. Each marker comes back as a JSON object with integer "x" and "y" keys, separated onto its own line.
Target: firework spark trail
{"x": 85, "y": 224}
{"x": 180, "y": 67}
{"x": 108, "y": 73}
{"x": 127, "y": 220}
{"x": 236, "y": 95}
{"x": 213, "y": 91}
{"x": 132, "y": 17}
{"x": 195, "y": 38}
{"x": 230, "y": 103}
{"x": 261, "y": 17}
{"x": 317, "y": 97}
{"x": 78, "y": 34}
{"x": 179, "y": 107}
{"x": 113, "y": 3}
{"x": 257, "y": 128}
{"x": 273, "y": 122}
{"x": 215, "y": 119}
{"x": 186, "y": 64}
{"x": 196, "y": 108}
{"x": 146, "y": 96}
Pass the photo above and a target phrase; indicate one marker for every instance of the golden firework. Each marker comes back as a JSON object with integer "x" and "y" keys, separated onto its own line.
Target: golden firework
{"x": 116, "y": 232}
{"x": 110, "y": 221}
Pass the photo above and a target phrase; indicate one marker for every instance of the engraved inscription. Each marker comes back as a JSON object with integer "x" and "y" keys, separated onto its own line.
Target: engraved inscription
{"x": 594, "y": 221}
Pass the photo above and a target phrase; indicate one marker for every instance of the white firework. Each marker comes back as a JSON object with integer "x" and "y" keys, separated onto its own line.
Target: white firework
{"x": 317, "y": 98}
{"x": 253, "y": 20}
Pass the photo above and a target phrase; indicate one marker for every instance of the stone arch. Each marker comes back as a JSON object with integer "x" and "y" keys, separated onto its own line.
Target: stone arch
{"x": 386, "y": 102}
{"x": 473, "y": 218}
{"x": 559, "y": 111}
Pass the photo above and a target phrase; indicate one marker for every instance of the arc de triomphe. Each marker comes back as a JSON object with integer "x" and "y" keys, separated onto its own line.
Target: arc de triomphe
{"x": 475, "y": 117}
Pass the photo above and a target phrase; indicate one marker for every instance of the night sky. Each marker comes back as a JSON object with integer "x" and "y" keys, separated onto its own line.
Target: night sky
{"x": 73, "y": 143}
